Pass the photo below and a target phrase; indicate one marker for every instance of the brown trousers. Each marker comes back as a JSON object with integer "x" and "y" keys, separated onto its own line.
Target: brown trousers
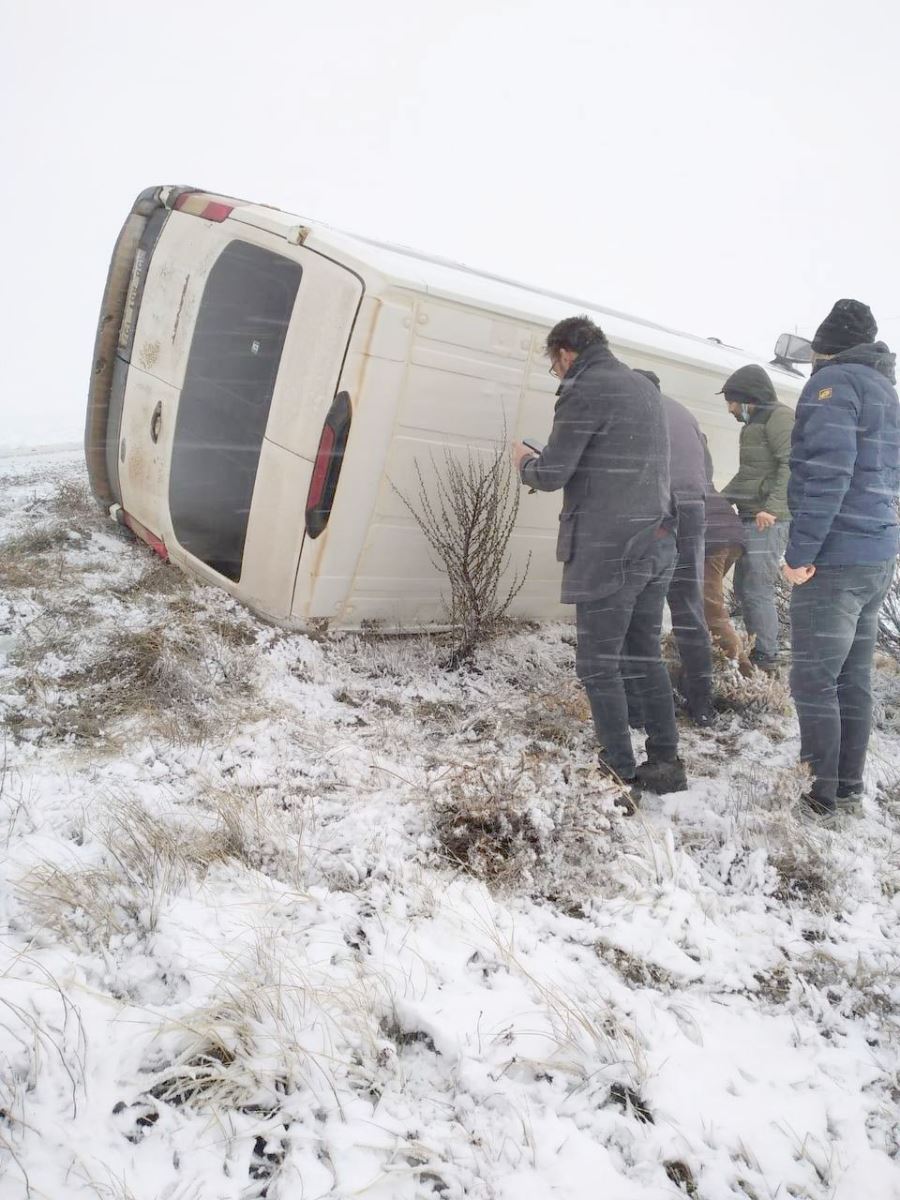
{"x": 721, "y": 629}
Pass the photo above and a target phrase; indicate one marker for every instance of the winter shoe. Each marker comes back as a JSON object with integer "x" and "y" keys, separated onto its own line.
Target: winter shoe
{"x": 661, "y": 776}
{"x": 703, "y": 718}
{"x": 814, "y": 812}
{"x": 849, "y": 805}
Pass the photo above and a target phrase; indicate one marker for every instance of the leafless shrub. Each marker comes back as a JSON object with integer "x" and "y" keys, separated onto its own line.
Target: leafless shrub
{"x": 889, "y": 621}
{"x": 467, "y": 516}
{"x": 783, "y": 591}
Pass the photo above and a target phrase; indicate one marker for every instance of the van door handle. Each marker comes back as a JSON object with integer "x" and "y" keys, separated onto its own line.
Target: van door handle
{"x": 156, "y": 422}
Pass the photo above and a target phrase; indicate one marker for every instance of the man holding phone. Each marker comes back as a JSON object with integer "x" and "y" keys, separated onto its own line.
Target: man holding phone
{"x": 609, "y": 452}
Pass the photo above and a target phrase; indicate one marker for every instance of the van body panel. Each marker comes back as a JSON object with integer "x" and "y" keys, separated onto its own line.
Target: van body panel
{"x": 336, "y": 554}
{"x": 275, "y": 531}
{"x": 184, "y": 256}
{"x": 313, "y": 358}
{"x": 150, "y": 407}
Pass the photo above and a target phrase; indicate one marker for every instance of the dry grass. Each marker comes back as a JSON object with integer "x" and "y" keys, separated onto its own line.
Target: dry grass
{"x": 757, "y": 697}
{"x": 560, "y": 716}
{"x": 33, "y": 559}
{"x": 273, "y": 1030}
{"x": 486, "y": 825}
{"x": 72, "y": 502}
{"x": 159, "y": 850}
{"x": 527, "y": 828}
{"x": 179, "y": 679}
{"x": 763, "y": 806}
{"x": 93, "y": 903}
{"x": 146, "y": 858}
{"x": 264, "y": 828}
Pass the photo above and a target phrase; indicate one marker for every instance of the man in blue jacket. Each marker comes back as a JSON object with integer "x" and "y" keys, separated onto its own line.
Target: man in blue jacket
{"x": 844, "y": 483}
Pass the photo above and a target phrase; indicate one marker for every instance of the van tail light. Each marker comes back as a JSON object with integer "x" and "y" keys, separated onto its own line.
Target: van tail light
{"x": 327, "y": 467}
{"x": 201, "y": 204}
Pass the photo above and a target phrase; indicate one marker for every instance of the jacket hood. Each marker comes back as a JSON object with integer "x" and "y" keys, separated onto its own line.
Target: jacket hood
{"x": 870, "y": 354}
{"x": 751, "y": 385}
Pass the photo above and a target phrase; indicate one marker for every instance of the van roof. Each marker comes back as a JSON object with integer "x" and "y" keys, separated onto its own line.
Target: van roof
{"x": 442, "y": 278}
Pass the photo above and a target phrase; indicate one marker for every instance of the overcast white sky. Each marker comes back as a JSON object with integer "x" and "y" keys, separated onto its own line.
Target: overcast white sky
{"x": 726, "y": 168}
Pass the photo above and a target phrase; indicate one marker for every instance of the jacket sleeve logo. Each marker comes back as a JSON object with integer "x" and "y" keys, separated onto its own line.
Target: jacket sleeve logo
{"x": 825, "y": 394}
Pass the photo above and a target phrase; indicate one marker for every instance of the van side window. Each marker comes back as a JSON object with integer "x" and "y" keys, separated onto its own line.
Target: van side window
{"x": 224, "y": 406}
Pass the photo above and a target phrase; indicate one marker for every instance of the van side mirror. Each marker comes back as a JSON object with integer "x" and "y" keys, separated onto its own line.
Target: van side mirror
{"x": 791, "y": 348}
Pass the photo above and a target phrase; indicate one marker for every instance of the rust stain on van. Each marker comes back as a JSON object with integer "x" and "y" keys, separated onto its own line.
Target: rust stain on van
{"x": 148, "y": 355}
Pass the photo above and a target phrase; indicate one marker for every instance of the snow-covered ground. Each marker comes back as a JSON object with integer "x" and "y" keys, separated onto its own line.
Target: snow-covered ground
{"x": 303, "y": 917}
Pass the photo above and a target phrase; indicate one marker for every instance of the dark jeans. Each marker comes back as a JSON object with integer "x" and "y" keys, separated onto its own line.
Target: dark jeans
{"x": 685, "y": 598}
{"x": 755, "y": 574}
{"x": 834, "y": 622}
{"x": 633, "y": 614}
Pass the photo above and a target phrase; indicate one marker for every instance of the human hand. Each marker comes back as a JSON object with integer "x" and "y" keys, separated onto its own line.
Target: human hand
{"x": 765, "y": 520}
{"x": 798, "y": 575}
{"x": 518, "y": 452}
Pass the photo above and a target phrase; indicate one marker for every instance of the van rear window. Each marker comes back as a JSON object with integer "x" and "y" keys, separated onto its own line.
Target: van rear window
{"x": 224, "y": 407}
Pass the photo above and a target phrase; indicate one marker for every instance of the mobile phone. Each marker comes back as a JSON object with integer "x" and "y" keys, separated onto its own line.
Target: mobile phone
{"x": 537, "y": 447}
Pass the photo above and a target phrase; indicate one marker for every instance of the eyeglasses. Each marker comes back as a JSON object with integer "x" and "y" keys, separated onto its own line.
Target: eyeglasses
{"x": 553, "y": 371}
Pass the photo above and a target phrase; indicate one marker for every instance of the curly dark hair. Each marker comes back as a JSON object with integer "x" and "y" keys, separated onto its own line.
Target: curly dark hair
{"x": 574, "y": 333}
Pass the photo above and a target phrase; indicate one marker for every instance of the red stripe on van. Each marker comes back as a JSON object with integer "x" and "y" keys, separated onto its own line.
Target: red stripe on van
{"x": 153, "y": 541}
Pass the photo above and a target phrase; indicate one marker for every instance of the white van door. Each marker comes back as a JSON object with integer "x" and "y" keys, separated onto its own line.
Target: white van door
{"x": 241, "y": 342}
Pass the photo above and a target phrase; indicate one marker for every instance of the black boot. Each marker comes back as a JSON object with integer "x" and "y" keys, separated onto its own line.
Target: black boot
{"x": 661, "y": 775}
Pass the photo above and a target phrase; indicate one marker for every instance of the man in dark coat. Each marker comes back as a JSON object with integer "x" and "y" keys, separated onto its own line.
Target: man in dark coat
{"x": 844, "y": 540}
{"x": 609, "y": 451}
{"x": 687, "y": 477}
{"x": 760, "y": 492}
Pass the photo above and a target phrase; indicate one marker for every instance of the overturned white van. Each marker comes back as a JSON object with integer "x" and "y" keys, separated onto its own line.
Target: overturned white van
{"x": 260, "y": 381}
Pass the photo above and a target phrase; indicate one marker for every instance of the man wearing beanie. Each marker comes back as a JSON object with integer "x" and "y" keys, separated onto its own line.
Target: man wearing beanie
{"x": 759, "y": 490}
{"x": 844, "y": 540}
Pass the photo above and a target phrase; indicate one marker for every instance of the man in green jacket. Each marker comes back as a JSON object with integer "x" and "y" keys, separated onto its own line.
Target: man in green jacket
{"x": 759, "y": 491}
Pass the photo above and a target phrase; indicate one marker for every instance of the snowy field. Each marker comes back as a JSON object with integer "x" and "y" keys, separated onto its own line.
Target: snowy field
{"x": 302, "y": 917}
